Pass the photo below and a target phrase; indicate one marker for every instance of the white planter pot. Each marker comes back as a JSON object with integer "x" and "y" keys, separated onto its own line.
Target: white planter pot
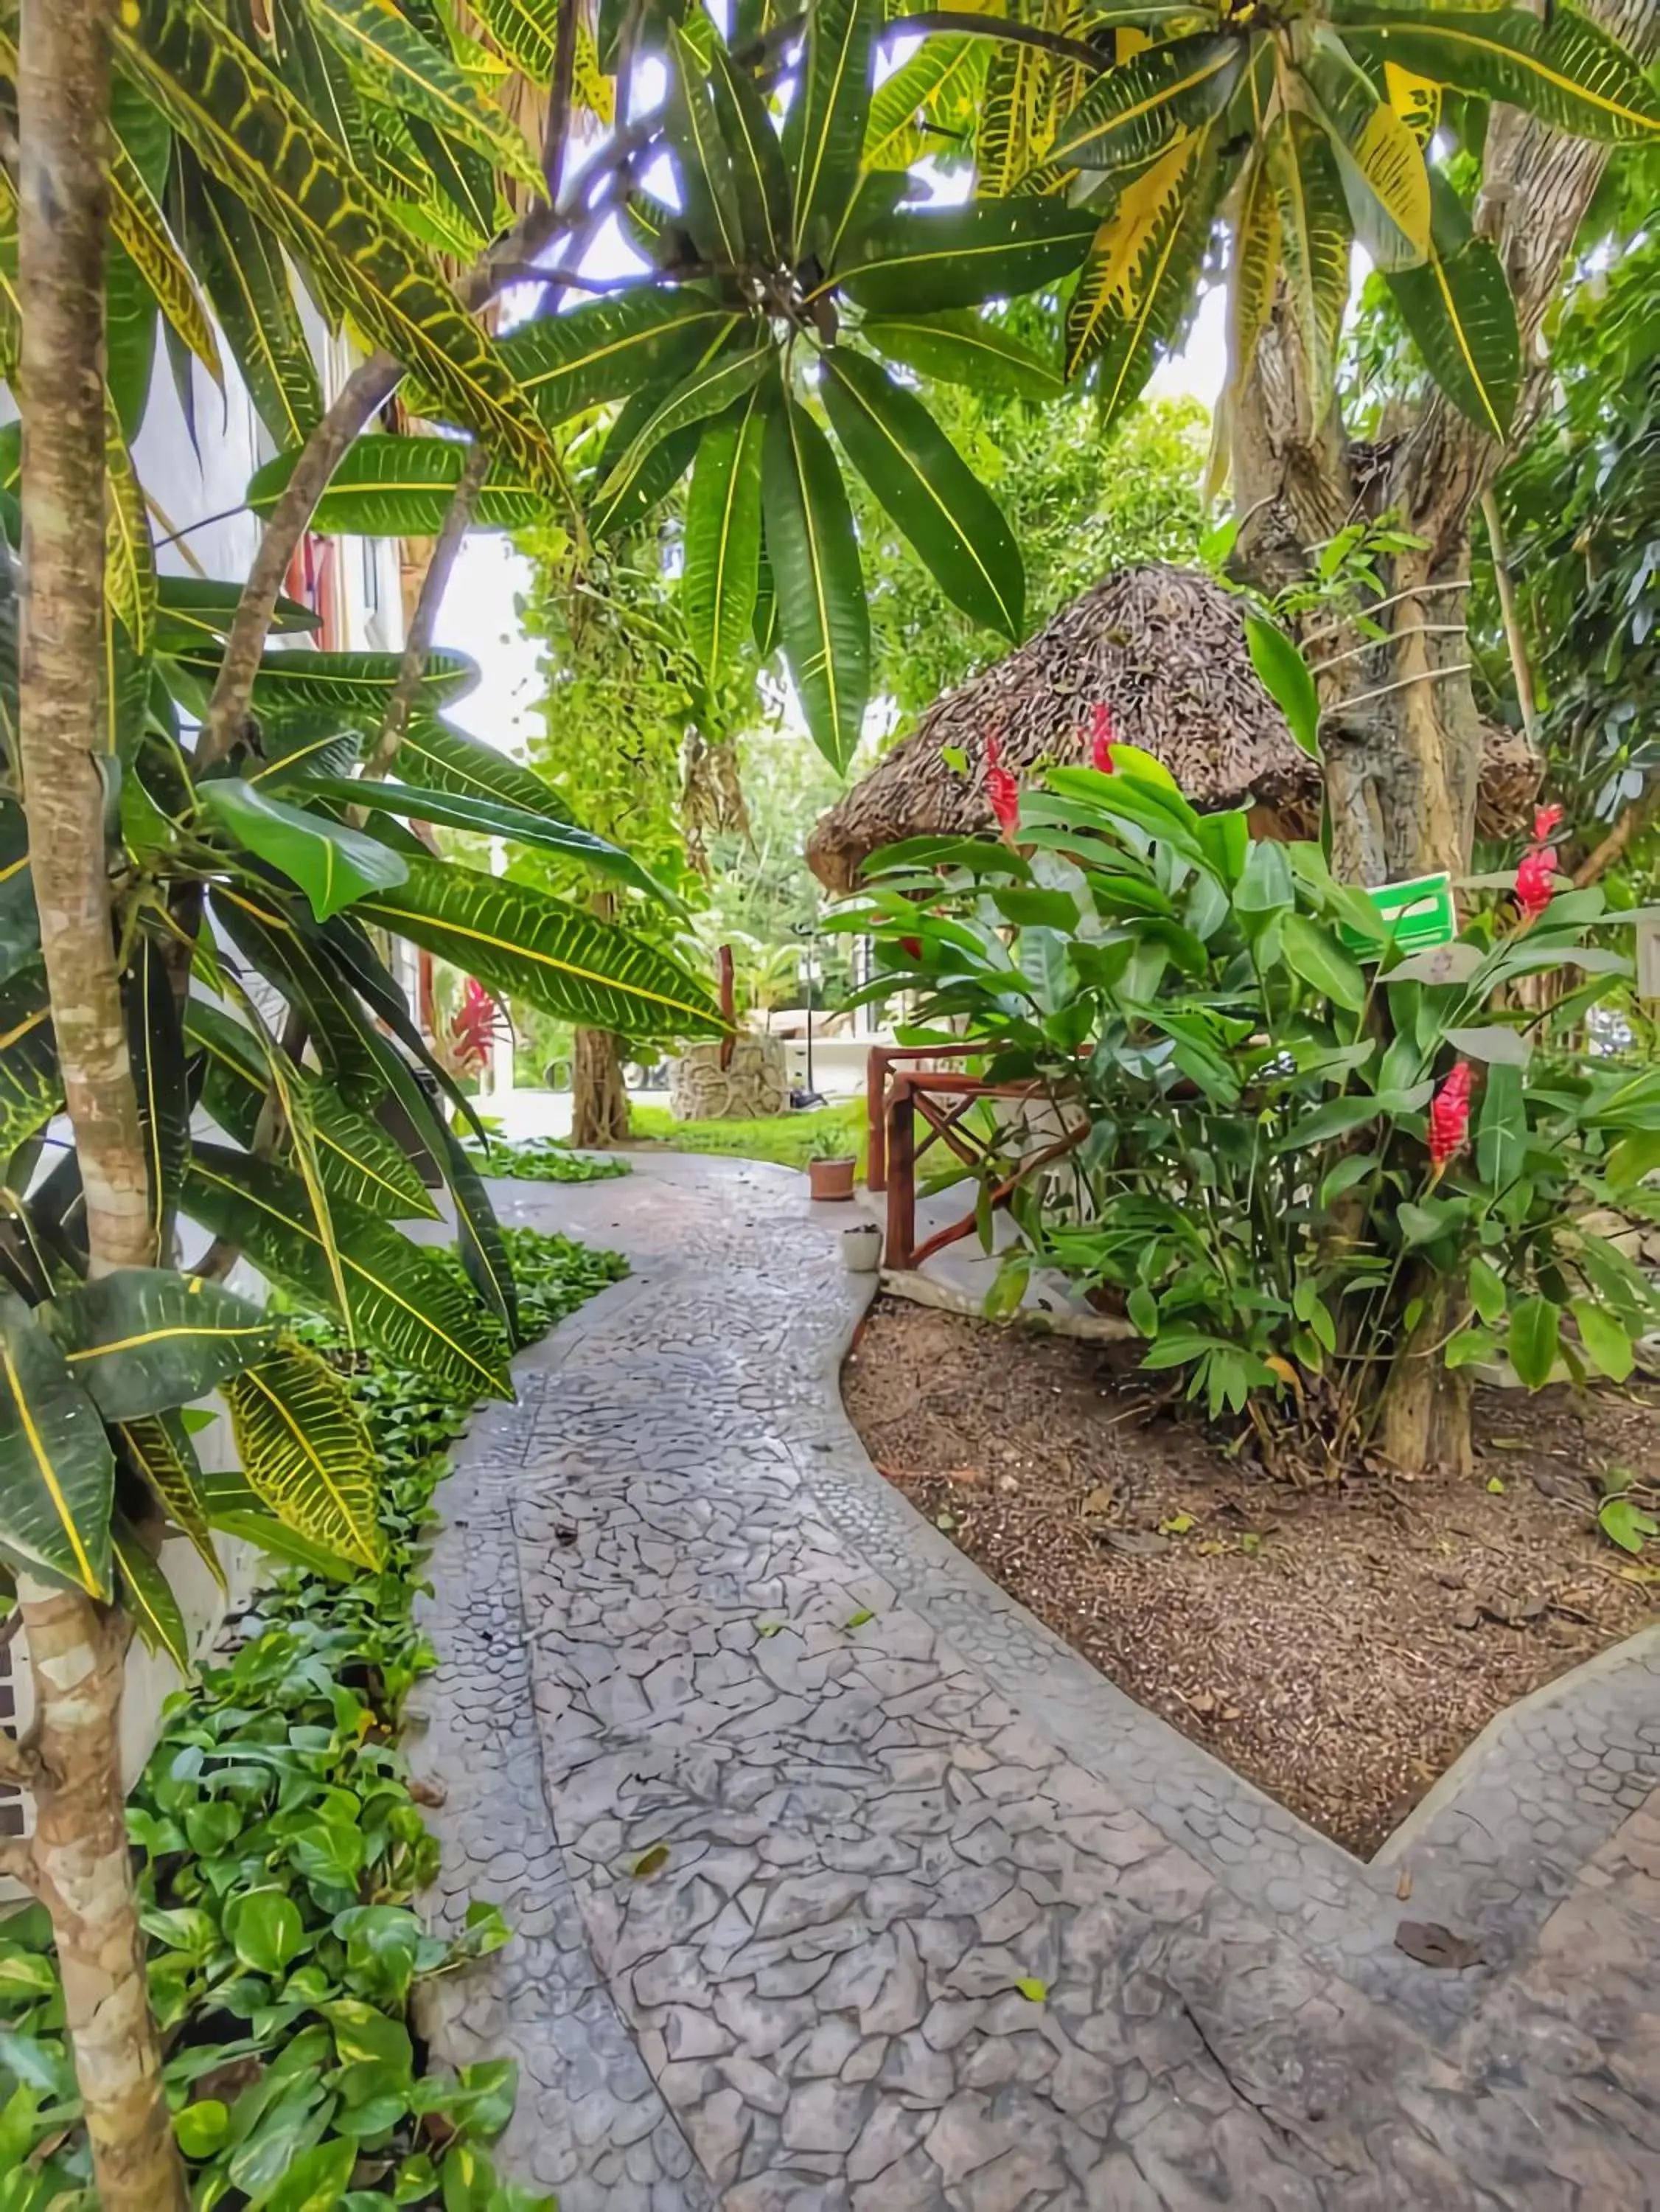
{"x": 861, "y": 1249}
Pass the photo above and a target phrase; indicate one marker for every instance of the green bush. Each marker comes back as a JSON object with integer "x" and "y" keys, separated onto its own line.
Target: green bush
{"x": 1243, "y": 1068}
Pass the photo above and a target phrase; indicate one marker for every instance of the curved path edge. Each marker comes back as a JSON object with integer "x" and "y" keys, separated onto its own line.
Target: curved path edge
{"x": 787, "y": 1801}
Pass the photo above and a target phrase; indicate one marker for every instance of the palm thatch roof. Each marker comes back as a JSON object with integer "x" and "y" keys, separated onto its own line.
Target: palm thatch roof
{"x": 1165, "y": 649}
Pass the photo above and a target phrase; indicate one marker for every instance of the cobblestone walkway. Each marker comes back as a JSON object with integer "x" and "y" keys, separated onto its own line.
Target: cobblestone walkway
{"x": 841, "y": 1886}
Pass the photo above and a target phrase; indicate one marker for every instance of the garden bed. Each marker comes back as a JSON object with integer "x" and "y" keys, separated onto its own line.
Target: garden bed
{"x": 1338, "y": 1646}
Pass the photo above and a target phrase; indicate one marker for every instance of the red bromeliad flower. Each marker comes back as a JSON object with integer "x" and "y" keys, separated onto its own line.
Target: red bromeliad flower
{"x": 1535, "y": 881}
{"x": 1101, "y": 736}
{"x": 1001, "y": 789}
{"x": 1547, "y": 821}
{"x": 1449, "y": 1116}
{"x": 472, "y": 1032}
{"x": 913, "y": 946}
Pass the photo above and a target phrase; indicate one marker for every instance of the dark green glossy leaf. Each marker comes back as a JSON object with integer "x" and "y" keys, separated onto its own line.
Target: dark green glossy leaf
{"x": 815, "y": 555}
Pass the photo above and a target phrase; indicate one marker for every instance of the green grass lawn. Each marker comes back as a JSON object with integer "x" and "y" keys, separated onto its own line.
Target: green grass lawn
{"x": 787, "y": 1139}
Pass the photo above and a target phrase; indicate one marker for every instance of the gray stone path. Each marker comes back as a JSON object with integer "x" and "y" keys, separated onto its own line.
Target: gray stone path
{"x": 787, "y": 1802}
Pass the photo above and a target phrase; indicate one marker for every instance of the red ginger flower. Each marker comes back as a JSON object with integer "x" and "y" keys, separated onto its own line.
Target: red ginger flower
{"x": 1101, "y": 736}
{"x": 1547, "y": 821}
{"x": 1535, "y": 881}
{"x": 1001, "y": 788}
{"x": 1449, "y": 1116}
{"x": 473, "y": 1030}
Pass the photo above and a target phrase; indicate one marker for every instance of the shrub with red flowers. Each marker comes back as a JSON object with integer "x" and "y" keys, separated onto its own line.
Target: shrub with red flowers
{"x": 1001, "y": 791}
{"x": 473, "y": 1029}
{"x": 1292, "y": 1157}
{"x": 1101, "y": 736}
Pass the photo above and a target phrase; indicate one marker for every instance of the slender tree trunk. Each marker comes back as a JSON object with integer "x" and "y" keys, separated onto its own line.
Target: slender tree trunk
{"x": 1400, "y": 734}
{"x": 80, "y": 1864}
{"x": 599, "y": 1098}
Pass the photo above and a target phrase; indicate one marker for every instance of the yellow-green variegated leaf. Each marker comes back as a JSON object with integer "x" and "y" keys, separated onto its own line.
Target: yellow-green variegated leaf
{"x": 928, "y": 490}
{"x": 520, "y": 942}
{"x": 814, "y": 553}
{"x": 525, "y": 31}
{"x": 1558, "y": 66}
{"x": 143, "y": 1339}
{"x": 389, "y": 55}
{"x": 440, "y": 758}
{"x": 245, "y": 125}
{"x": 824, "y": 131}
{"x": 306, "y": 1452}
{"x": 945, "y": 68}
{"x": 1133, "y": 112}
{"x": 138, "y": 223}
{"x": 1108, "y": 285}
{"x": 1460, "y": 311}
{"x": 245, "y": 280}
{"x": 31, "y": 1085}
{"x": 129, "y": 549}
{"x": 400, "y": 1298}
{"x": 358, "y": 684}
{"x": 147, "y": 1595}
{"x": 723, "y": 537}
{"x": 160, "y": 1449}
{"x": 56, "y": 1470}
{"x": 1012, "y": 136}
{"x": 1159, "y": 290}
{"x": 1381, "y": 162}
{"x": 1315, "y": 239}
{"x": 391, "y": 486}
{"x": 1256, "y": 266}
{"x": 614, "y": 348}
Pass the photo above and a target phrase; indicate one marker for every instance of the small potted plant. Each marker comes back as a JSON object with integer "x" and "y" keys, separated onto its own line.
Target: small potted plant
{"x": 830, "y": 1169}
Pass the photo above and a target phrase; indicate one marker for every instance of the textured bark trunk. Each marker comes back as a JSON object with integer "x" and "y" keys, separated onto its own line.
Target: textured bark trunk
{"x": 80, "y": 1864}
{"x": 599, "y": 1098}
{"x": 1400, "y": 735}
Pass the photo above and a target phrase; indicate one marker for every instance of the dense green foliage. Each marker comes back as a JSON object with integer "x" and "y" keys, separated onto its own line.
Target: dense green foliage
{"x": 280, "y": 1850}
{"x": 543, "y": 1159}
{"x": 789, "y": 1140}
{"x": 1237, "y": 1112}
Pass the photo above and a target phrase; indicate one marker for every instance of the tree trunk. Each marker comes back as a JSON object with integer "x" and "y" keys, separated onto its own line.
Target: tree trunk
{"x": 79, "y": 1862}
{"x": 599, "y": 1099}
{"x": 1423, "y": 1412}
{"x": 1400, "y": 735}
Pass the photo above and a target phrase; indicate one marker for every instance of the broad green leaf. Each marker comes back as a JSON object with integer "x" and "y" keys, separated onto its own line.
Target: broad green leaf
{"x": 246, "y": 282}
{"x": 388, "y": 486}
{"x": 757, "y": 160}
{"x": 1534, "y": 1333}
{"x": 483, "y": 1248}
{"x": 359, "y": 684}
{"x": 489, "y": 819}
{"x": 191, "y": 609}
{"x": 1284, "y": 675}
{"x": 1560, "y": 67}
{"x": 331, "y": 864}
{"x": 390, "y": 55}
{"x": 160, "y": 1449}
{"x": 438, "y": 758}
{"x": 708, "y": 391}
{"x": 31, "y": 1086}
{"x": 1501, "y": 1138}
{"x": 1133, "y": 112}
{"x": 723, "y": 537}
{"x": 1486, "y": 1291}
{"x": 702, "y": 162}
{"x": 814, "y": 557}
{"x": 824, "y": 131}
{"x": 304, "y": 1449}
{"x": 236, "y": 1510}
{"x": 402, "y": 1299}
{"x": 945, "y": 66}
{"x": 1314, "y": 953}
{"x": 961, "y": 347}
{"x": 265, "y": 1930}
{"x": 928, "y": 490}
{"x": 245, "y": 125}
{"x": 147, "y": 1595}
{"x": 1381, "y": 162}
{"x": 1459, "y": 309}
{"x": 359, "y": 1161}
{"x": 143, "y": 1339}
{"x": 1607, "y": 1345}
{"x": 613, "y": 348}
{"x": 58, "y": 1487}
{"x": 155, "y": 1054}
{"x": 922, "y": 259}
{"x": 518, "y": 941}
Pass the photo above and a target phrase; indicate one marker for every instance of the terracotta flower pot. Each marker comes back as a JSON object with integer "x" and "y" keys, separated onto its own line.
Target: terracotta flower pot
{"x": 831, "y": 1178}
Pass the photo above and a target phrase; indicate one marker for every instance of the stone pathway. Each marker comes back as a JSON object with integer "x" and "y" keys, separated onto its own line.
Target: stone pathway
{"x": 842, "y": 1886}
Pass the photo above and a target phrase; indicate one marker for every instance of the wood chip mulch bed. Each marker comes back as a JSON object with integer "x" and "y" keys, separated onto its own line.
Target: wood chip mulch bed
{"x": 1338, "y": 1645}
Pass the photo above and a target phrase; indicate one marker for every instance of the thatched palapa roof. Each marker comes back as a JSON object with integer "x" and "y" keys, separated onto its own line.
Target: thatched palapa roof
{"x": 1165, "y": 649}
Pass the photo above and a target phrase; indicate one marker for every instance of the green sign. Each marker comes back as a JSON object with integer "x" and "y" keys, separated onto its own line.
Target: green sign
{"x": 1418, "y": 915}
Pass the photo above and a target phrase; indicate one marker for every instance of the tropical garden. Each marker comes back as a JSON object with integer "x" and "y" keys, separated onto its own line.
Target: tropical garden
{"x": 857, "y": 419}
